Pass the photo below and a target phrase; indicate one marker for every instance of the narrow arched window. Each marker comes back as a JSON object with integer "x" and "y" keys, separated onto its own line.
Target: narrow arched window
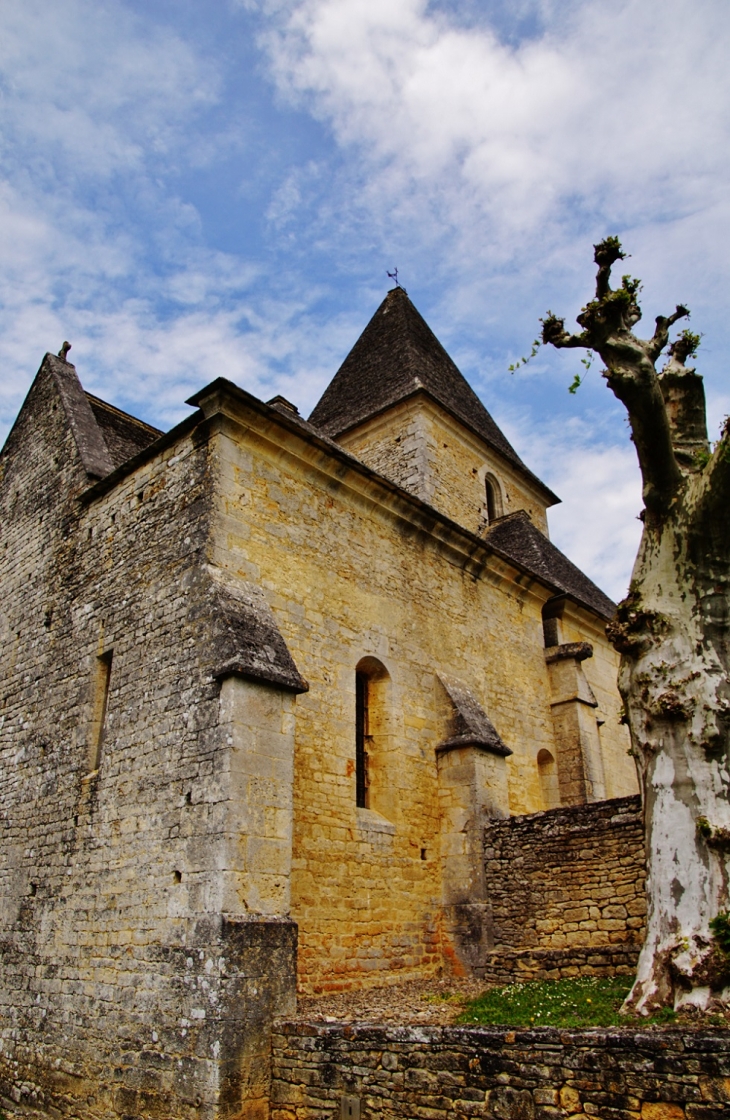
{"x": 493, "y": 498}
{"x": 362, "y": 734}
{"x": 548, "y": 780}
{"x": 491, "y": 505}
{"x": 374, "y": 778}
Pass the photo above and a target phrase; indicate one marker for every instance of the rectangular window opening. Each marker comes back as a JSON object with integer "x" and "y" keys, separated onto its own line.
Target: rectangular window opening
{"x": 101, "y": 703}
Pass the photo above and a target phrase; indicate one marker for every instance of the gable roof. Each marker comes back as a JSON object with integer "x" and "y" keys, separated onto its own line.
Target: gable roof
{"x": 90, "y": 442}
{"x": 396, "y": 356}
{"x": 105, "y": 437}
{"x": 124, "y": 435}
{"x": 517, "y": 538}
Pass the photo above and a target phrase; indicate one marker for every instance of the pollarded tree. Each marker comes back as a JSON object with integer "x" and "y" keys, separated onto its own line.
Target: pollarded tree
{"x": 673, "y": 633}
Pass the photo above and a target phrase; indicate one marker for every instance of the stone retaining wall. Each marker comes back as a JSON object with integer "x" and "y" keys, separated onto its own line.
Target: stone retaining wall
{"x": 521, "y": 965}
{"x": 326, "y": 1071}
{"x": 563, "y": 883}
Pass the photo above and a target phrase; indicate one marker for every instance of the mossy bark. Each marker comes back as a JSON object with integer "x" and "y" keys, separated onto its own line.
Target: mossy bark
{"x": 673, "y": 634}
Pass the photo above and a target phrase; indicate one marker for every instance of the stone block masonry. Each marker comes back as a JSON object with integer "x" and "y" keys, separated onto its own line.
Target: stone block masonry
{"x": 566, "y": 889}
{"x": 180, "y": 633}
{"x": 126, "y": 989}
{"x": 435, "y": 1073}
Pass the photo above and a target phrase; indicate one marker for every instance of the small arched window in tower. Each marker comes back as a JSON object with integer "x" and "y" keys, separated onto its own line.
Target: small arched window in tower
{"x": 493, "y": 497}
{"x": 548, "y": 780}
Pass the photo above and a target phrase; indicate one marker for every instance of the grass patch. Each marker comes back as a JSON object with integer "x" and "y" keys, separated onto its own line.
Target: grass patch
{"x": 589, "y": 1002}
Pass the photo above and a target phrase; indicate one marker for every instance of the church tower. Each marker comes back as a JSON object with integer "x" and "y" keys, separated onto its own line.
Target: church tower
{"x": 399, "y": 403}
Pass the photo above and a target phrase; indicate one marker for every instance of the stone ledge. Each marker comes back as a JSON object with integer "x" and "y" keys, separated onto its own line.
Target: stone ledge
{"x": 369, "y": 820}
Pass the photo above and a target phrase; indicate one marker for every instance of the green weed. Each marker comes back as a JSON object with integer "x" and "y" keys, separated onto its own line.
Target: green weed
{"x": 720, "y": 927}
{"x": 589, "y": 1002}
{"x": 442, "y": 997}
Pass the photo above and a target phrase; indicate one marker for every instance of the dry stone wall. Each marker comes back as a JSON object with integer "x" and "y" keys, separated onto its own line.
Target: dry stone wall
{"x": 566, "y": 889}
{"x": 326, "y": 1071}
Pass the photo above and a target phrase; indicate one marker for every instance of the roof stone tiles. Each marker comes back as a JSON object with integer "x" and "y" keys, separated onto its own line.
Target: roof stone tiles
{"x": 396, "y": 356}
{"x": 123, "y": 434}
{"x": 517, "y": 538}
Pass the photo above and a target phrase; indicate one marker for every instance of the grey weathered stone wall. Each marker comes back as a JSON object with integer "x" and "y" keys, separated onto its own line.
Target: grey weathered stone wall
{"x": 435, "y": 1073}
{"x": 566, "y": 889}
{"x": 125, "y": 991}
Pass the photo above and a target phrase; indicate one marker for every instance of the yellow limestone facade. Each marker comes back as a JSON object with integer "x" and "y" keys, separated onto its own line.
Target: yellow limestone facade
{"x": 435, "y": 456}
{"x": 358, "y": 575}
{"x": 268, "y": 679}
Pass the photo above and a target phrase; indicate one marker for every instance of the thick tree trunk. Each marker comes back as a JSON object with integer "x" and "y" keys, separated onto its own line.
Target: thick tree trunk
{"x": 673, "y": 632}
{"x": 674, "y": 685}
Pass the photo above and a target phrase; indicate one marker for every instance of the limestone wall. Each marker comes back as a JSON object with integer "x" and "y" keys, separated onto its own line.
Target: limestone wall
{"x": 422, "y": 448}
{"x": 351, "y": 574}
{"x": 566, "y": 889}
{"x": 344, "y": 1070}
{"x": 157, "y": 822}
{"x": 126, "y": 989}
{"x": 425, "y": 450}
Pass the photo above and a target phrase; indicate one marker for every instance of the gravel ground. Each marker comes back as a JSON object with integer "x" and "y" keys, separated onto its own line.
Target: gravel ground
{"x": 440, "y": 1002}
{"x": 437, "y": 1002}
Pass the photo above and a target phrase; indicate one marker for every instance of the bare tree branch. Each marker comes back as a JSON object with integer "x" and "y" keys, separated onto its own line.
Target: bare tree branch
{"x": 605, "y": 254}
{"x": 554, "y": 332}
{"x": 652, "y": 436}
{"x": 684, "y": 400}
{"x": 607, "y": 321}
{"x": 661, "y": 334}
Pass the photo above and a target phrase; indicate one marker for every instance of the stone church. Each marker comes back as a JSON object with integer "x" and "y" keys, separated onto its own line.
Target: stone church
{"x": 263, "y": 681}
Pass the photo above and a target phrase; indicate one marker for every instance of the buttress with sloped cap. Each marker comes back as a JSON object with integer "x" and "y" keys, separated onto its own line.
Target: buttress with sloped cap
{"x": 396, "y": 356}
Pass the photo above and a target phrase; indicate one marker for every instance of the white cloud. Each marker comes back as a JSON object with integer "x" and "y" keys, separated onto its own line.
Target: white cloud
{"x": 92, "y": 90}
{"x": 491, "y": 162}
{"x": 96, "y": 105}
{"x": 615, "y": 113}
{"x": 597, "y": 525}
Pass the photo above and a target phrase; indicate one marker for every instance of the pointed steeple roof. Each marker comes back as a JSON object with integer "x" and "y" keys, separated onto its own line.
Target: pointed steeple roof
{"x": 396, "y": 356}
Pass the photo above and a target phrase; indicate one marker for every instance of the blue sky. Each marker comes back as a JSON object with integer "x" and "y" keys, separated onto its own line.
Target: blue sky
{"x": 190, "y": 190}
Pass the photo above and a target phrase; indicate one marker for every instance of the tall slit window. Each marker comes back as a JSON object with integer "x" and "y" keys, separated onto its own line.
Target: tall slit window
{"x": 362, "y": 736}
{"x": 493, "y": 498}
{"x": 375, "y": 782}
{"x": 101, "y": 701}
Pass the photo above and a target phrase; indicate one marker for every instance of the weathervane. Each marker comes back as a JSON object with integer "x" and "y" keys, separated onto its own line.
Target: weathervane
{"x": 394, "y": 276}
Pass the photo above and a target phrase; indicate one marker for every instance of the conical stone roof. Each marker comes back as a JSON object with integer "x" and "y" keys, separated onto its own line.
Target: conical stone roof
{"x": 396, "y": 356}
